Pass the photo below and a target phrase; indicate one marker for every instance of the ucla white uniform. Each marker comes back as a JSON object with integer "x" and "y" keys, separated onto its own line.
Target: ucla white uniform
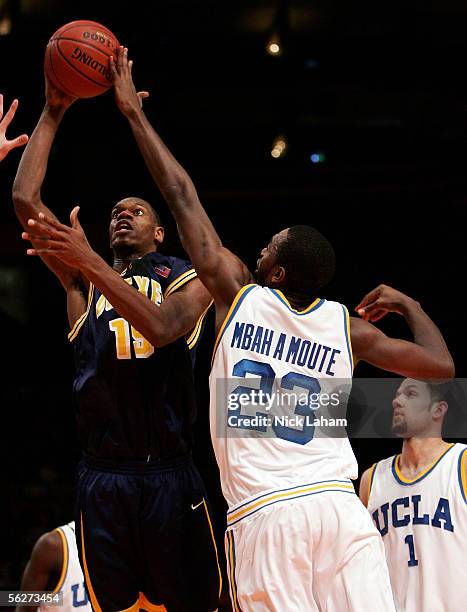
{"x": 71, "y": 582}
{"x": 298, "y": 538}
{"x": 424, "y": 527}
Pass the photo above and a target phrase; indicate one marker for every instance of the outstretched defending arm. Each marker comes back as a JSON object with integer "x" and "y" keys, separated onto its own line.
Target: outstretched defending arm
{"x": 7, "y": 145}
{"x": 427, "y": 357}
{"x": 221, "y": 271}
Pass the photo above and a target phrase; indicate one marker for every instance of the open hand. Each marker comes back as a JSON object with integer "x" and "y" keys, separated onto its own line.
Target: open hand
{"x": 129, "y": 101}
{"x": 7, "y": 145}
{"x": 69, "y": 244}
{"x": 376, "y": 304}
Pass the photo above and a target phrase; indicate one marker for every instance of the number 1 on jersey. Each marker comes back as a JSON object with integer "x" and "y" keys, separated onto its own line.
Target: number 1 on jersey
{"x": 121, "y": 329}
{"x": 412, "y": 562}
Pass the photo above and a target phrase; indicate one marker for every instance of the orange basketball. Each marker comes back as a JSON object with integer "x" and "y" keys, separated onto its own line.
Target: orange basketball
{"x": 77, "y": 58}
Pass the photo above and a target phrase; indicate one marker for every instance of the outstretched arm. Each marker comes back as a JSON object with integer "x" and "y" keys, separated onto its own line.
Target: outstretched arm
{"x": 32, "y": 169}
{"x": 27, "y": 195}
{"x": 427, "y": 357}
{"x": 44, "y": 565}
{"x": 7, "y": 145}
{"x": 221, "y": 271}
{"x": 160, "y": 325}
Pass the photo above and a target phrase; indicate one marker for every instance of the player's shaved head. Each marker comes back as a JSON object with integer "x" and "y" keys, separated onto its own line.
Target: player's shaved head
{"x": 308, "y": 259}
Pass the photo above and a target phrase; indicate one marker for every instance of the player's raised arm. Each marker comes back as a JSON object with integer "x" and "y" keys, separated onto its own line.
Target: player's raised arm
{"x": 220, "y": 270}
{"x": 43, "y": 568}
{"x": 7, "y": 145}
{"x": 31, "y": 173}
{"x": 427, "y": 357}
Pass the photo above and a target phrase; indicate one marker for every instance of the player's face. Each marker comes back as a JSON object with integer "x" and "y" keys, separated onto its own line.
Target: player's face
{"x": 266, "y": 265}
{"x": 412, "y": 409}
{"x": 132, "y": 227}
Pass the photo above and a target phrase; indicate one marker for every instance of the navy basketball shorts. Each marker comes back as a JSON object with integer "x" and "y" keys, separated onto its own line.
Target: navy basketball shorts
{"x": 145, "y": 537}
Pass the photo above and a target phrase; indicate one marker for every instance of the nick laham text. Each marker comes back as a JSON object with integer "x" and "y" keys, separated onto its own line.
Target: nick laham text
{"x": 266, "y": 421}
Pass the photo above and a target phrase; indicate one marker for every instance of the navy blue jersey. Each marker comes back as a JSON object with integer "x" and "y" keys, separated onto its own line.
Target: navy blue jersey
{"x": 134, "y": 401}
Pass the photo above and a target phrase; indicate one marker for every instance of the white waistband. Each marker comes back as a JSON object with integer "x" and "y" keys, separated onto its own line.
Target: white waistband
{"x": 258, "y": 502}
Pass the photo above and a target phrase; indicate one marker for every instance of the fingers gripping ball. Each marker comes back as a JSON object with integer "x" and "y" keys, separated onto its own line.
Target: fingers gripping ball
{"x": 77, "y": 58}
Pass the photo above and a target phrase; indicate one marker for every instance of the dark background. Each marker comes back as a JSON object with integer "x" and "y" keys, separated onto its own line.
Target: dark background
{"x": 378, "y": 88}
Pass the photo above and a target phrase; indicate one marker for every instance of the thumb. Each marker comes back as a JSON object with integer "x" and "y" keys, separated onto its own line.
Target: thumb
{"x": 142, "y": 95}
{"x": 18, "y": 142}
{"x": 74, "y": 218}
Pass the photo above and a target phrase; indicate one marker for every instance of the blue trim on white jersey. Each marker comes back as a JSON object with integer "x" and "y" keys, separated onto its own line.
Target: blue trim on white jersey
{"x": 278, "y": 501}
{"x": 417, "y": 480}
{"x": 372, "y": 478}
{"x": 300, "y": 314}
{"x": 346, "y": 333}
{"x": 231, "y": 315}
{"x": 240, "y": 512}
{"x": 267, "y": 493}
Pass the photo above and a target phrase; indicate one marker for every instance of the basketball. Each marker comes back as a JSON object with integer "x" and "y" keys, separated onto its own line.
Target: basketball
{"x": 77, "y": 58}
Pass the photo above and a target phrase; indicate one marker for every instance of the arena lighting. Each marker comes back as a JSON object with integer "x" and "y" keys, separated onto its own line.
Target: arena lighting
{"x": 279, "y": 29}
{"x": 279, "y": 147}
{"x": 274, "y": 46}
{"x": 5, "y": 18}
{"x": 317, "y": 158}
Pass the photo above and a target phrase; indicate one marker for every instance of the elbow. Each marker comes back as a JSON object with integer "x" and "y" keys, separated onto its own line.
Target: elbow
{"x": 159, "y": 338}
{"x": 19, "y": 189}
{"x": 18, "y": 196}
{"x": 158, "y": 342}
{"x": 21, "y": 199}
{"x": 166, "y": 332}
{"x": 450, "y": 368}
{"x": 445, "y": 369}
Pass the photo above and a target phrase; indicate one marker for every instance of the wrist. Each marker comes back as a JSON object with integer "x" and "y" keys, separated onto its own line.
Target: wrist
{"x": 90, "y": 265}
{"x": 55, "y": 111}
{"x": 134, "y": 114}
{"x": 409, "y": 305}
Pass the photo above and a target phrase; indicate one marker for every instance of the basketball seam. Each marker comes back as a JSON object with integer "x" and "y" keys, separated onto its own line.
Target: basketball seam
{"x": 85, "y": 42}
{"x": 75, "y": 25}
{"x": 55, "y": 74}
{"x": 80, "y": 73}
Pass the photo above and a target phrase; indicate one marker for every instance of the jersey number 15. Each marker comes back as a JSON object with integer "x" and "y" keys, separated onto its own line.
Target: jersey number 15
{"x": 124, "y": 335}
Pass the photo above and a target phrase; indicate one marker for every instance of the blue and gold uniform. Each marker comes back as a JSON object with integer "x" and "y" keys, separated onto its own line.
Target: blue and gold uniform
{"x": 142, "y": 519}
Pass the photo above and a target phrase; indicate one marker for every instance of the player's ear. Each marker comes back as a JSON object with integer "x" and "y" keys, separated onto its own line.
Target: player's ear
{"x": 278, "y": 276}
{"x": 440, "y": 410}
{"x": 159, "y": 234}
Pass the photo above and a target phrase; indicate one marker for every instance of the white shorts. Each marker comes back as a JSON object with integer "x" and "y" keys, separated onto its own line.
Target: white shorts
{"x": 316, "y": 553}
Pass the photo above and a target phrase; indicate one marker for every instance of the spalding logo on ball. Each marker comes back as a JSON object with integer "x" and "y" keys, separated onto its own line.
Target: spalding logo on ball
{"x": 77, "y": 58}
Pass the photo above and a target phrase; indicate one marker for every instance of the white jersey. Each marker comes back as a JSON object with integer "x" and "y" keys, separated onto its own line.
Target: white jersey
{"x": 71, "y": 582}
{"x": 266, "y": 345}
{"x": 424, "y": 527}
